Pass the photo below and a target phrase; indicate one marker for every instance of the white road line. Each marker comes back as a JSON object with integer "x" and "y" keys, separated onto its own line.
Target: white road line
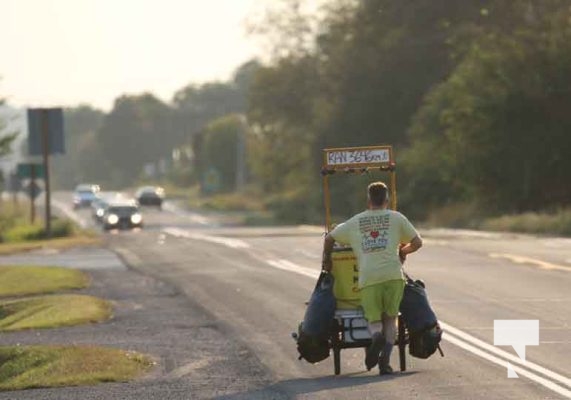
{"x": 228, "y": 242}
{"x": 499, "y": 361}
{"x": 502, "y": 353}
{"x": 68, "y": 212}
{"x": 286, "y": 265}
{"x": 196, "y": 218}
{"x": 531, "y": 261}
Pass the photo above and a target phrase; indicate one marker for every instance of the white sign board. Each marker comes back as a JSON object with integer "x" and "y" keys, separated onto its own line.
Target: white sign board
{"x": 355, "y": 157}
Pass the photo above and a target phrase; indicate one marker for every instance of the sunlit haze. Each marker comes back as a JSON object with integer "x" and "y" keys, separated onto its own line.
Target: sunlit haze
{"x": 65, "y": 52}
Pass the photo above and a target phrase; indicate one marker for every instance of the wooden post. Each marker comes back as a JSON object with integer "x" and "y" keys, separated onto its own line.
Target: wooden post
{"x": 46, "y": 159}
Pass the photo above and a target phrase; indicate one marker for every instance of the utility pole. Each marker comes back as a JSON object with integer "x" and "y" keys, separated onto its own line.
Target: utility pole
{"x": 46, "y": 159}
{"x": 241, "y": 154}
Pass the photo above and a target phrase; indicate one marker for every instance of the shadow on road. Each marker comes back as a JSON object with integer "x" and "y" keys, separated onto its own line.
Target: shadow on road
{"x": 294, "y": 387}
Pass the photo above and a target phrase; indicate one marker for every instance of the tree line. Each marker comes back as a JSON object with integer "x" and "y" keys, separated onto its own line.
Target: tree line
{"x": 473, "y": 95}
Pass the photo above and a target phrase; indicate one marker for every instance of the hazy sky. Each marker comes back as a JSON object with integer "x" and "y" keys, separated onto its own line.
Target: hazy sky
{"x": 63, "y": 52}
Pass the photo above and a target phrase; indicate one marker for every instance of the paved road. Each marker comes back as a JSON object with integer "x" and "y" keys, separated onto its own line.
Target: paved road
{"x": 256, "y": 280}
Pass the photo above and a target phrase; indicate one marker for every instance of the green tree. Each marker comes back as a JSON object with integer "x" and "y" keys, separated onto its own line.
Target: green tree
{"x": 83, "y": 160}
{"x": 137, "y": 131}
{"x": 497, "y": 130}
{"x": 222, "y": 141}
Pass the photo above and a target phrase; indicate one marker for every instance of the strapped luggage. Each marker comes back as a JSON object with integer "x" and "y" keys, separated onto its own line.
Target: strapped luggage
{"x": 314, "y": 332}
{"x": 425, "y": 333}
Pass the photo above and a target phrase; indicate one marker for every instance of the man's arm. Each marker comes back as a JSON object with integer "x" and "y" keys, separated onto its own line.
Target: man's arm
{"x": 326, "y": 262}
{"x": 410, "y": 247}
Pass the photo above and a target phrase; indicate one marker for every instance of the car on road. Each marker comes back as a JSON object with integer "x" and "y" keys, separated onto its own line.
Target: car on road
{"x": 99, "y": 205}
{"x": 84, "y": 195}
{"x": 122, "y": 215}
{"x": 150, "y": 196}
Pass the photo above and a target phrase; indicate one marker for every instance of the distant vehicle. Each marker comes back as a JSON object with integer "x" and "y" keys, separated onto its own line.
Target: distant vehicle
{"x": 150, "y": 196}
{"x": 84, "y": 195}
{"x": 99, "y": 205}
{"x": 122, "y": 215}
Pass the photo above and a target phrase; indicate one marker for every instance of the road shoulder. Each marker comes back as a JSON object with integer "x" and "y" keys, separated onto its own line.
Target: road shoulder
{"x": 195, "y": 358}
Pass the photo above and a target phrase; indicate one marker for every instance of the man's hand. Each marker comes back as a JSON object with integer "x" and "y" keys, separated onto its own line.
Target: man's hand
{"x": 408, "y": 248}
{"x": 327, "y": 264}
{"x": 402, "y": 254}
{"x": 326, "y": 261}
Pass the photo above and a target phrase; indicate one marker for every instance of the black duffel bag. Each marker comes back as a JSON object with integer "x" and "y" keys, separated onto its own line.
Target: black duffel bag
{"x": 424, "y": 331}
{"x": 314, "y": 332}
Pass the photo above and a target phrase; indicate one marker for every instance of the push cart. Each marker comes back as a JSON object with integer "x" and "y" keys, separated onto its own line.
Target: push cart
{"x": 350, "y": 329}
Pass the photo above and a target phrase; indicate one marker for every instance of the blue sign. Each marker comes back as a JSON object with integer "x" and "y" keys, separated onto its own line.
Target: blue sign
{"x": 54, "y": 130}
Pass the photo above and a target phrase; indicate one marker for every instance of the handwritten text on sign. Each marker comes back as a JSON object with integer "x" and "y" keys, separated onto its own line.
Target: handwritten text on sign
{"x": 349, "y": 157}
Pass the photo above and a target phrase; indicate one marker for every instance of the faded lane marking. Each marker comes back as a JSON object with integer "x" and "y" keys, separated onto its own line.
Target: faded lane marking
{"x": 196, "y": 218}
{"x": 531, "y": 261}
{"x": 504, "y": 354}
{"x": 286, "y": 265}
{"x": 69, "y": 212}
{"x": 228, "y": 242}
{"x": 502, "y": 362}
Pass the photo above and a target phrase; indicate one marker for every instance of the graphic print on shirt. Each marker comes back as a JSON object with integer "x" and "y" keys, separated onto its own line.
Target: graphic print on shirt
{"x": 374, "y": 232}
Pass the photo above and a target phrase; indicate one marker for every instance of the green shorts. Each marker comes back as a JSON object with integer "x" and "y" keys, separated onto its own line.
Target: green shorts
{"x": 382, "y": 298}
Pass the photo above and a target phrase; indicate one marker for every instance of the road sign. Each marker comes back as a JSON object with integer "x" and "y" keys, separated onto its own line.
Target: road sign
{"x": 52, "y": 119}
{"x": 33, "y": 190}
{"x": 26, "y": 171}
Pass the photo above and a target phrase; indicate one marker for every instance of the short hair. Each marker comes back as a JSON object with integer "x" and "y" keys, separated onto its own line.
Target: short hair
{"x": 378, "y": 193}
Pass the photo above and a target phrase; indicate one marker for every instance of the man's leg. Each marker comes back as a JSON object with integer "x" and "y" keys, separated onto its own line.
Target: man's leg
{"x": 390, "y": 333}
{"x": 392, "y": 296}
{"x": 371, "y": 303}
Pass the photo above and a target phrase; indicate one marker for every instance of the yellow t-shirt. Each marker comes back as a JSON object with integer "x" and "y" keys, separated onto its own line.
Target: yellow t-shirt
{"x": 375, "y": 236}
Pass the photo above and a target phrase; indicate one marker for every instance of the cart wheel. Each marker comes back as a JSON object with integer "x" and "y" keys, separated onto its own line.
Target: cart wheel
{"x": 337, "y": 360}
{"x": 402, "y": 344}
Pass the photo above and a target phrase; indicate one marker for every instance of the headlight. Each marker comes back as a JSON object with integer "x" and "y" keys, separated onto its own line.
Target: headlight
{"x": 136, "y": 218}
{"x": 100, "y": 212}
{"x": 112, "y": 219}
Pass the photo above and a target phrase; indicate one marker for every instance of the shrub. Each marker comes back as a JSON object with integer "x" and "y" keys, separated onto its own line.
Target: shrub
{"x": 27, "y": 232}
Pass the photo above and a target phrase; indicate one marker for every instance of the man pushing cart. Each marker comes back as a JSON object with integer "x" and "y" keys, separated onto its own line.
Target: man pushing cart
{"x": 357, "y": 299}
{"x": 381, "y": 239}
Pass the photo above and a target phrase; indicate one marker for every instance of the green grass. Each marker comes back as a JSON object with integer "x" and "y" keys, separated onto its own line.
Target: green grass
{"x": 55, "y": 366}
{"x": 235, "y": 201}
{"x": 52, "y": 312}
{"x": 26, "y": 280}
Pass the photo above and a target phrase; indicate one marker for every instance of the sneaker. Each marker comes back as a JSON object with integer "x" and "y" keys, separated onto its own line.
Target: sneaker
{"x": 385, "y": 359}
{"x": 373, "y": 351}
{"x": 385, "y": 370}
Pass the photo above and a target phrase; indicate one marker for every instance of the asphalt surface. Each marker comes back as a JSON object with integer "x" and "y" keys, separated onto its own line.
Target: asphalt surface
{"x": 253, "y": 283}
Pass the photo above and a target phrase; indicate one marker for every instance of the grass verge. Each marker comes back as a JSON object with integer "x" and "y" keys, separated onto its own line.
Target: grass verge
{"x": 26, "y": 280}
{"x": 557, "y": 223}
{"x": 52, "y": 312}
{"x": 25, "y": 367}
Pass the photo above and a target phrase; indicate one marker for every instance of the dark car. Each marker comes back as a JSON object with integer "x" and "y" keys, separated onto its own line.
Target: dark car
{"x": 122, "y": 215}
{"x": 150, "y": 196}
{"x": 84, "y": 195}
